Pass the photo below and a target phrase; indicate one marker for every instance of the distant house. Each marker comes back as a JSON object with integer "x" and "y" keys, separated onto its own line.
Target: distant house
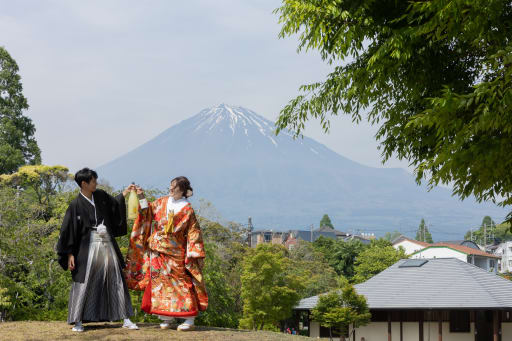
{"x": 408, "y": 244}
{"x": 290, "y": 238}
{"x": 482, "y": 259}
{"x": 504, "y": 250}
{"x": 436, "y": 299}
{"x": 329, "y": 229}
{"x": 363, "y": 238}
{"x": 267, "y": 236}
{"x": 294, "y": 236}
{"x": 327, "y": 232}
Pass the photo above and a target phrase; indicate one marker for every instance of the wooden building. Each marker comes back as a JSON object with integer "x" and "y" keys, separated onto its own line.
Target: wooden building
{"x": 429, "y": 299}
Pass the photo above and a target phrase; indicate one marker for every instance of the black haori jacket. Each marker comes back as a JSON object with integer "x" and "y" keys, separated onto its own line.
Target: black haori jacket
{"x": 79, "y": 219}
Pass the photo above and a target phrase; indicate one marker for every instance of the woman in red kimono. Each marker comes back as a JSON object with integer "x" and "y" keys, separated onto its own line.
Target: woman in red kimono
{"x": 165, "y": 258}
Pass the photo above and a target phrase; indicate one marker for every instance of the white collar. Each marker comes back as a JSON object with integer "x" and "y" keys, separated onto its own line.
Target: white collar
{"x": 89, "y": 200}
{"x": 176, "y": 205}
{"x": 183, "y": 199}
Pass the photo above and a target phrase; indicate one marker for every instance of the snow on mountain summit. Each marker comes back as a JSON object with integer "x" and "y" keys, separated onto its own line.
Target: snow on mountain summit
{"x": 235, "y": 119}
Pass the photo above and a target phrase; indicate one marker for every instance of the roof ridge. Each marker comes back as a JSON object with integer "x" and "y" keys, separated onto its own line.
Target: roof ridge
{"x": 479, "y": 283}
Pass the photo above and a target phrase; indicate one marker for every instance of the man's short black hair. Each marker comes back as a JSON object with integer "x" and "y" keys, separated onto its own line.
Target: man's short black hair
{"x": 85, "y": 174}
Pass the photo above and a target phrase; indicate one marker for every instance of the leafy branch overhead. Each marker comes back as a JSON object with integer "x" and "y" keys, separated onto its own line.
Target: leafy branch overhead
{"x": 435, "y": 76}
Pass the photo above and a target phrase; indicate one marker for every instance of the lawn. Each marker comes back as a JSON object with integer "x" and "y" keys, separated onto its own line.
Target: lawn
{"x": 34, "y": 330}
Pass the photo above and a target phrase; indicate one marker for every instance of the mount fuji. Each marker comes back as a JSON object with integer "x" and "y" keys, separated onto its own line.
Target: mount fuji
{"x": 234, "y": 160}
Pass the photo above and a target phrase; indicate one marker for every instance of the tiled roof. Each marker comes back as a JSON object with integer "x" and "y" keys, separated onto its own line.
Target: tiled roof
{"x": 441, "y": 283}
{"x": 464, "y": 249}
{"x": 468, "y": 243}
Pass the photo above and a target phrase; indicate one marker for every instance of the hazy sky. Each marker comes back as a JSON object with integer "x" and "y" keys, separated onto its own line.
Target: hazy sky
{"x": 103, "y": 77}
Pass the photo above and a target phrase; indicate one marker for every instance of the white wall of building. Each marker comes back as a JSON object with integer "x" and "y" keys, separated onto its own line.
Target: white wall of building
{"x": 505, "y": 251}
{"x": 440, "y": 252}
{"x": 373, "y": 331}
{"x": 409, "y": 246}
{"x": 446, "y": 252}
{"x": 314, "y": 329}
{"x": 378, "y": 331}
{"x": 506, "y": 331}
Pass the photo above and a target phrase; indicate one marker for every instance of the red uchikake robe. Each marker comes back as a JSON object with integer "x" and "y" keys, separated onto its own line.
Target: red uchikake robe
{"x": 176, "y": 285}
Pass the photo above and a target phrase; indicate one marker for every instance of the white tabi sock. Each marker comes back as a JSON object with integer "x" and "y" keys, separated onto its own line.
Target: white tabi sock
{"x": 166, "y": 318}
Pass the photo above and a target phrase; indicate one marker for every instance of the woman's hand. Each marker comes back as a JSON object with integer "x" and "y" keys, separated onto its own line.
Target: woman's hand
{"x": 128, "y": 189}
{"x": 71, "y": 262}
{"x": 140, "y": 192}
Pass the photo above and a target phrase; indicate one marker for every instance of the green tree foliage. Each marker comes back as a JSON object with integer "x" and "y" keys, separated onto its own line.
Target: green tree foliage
{"x": 43, "y": 181}
{"x": 5, "y": 303}
{"x": 423, "y": 234}
{"x": 377, "y": 257}
{"x": 390, "y": 236}
{"x": 340, "y": 255}
{"x": 501, "y": 232}
{"x": 326, "y": 221}
{"x": 339, "y": 309}
{"x": 506, "y": 276}
{"x": 223, "y": 269}
{"x": 4, "y": 299}
{"x": 269, "y": 292}
{"x": 17, "y": 143}
{"x": 311, "y": 267}
{"x": 434, "y": 76}
{"x": 36, "y": 286}
{"x": 222, "y": 299}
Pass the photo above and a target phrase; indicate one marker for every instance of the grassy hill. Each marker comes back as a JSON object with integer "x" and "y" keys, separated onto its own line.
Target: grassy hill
{"x": 33, "y": 330}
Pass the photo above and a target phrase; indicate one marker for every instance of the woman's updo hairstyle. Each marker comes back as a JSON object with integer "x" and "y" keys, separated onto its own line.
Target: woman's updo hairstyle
{"x": 184, "y": 185}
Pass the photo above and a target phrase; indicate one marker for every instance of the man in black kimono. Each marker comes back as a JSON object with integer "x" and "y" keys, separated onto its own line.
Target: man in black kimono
{"x": 87, "y": 247}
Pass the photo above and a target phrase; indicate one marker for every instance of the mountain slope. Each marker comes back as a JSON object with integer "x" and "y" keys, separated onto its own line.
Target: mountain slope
{"x": 233, "y": 159}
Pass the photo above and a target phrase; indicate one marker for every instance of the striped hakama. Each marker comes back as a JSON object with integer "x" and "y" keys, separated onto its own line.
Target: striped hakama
{"x": 103, "y": 296}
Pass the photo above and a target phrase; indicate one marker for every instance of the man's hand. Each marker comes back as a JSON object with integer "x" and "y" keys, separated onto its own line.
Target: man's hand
{"x": 71, "y": 262}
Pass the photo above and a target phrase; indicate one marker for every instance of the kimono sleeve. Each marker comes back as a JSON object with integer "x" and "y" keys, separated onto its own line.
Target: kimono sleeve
{"x": 136, "y": 266}
{"x": 118, "y": 210}
{"x": 195, "y": 245}
{"x": 194, "y": 260}
{"x": 69, "y": 238}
